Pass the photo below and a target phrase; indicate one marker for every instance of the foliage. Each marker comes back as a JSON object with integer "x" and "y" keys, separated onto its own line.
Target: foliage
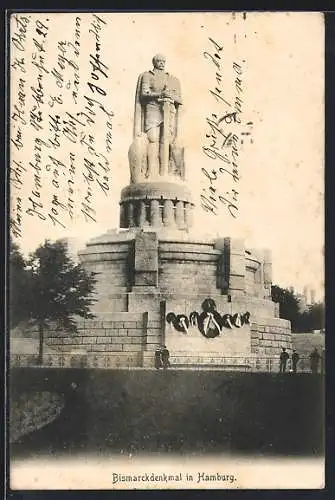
{"x": 55, "y": 288}
{"x": 317, "y": 316}
{"x": 19, "y": 286}
{"x": 313, "y": 318}
{"x": 61, "y": 289}
{"x": 288, "y": 304}
{"x": 306, "y": 321}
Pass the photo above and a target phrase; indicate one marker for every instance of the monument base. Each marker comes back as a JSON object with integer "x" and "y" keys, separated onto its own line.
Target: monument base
{"x": 169, "y": 288}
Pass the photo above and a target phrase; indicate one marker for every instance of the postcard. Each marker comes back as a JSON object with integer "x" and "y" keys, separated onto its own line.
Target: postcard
{"x": 166, "y": 257}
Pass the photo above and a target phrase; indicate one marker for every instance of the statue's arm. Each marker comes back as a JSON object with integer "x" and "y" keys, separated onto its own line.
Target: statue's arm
{"x": 146, "y": 90}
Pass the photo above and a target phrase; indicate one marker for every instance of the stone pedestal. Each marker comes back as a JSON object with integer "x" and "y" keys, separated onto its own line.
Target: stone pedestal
{"x": 154, "y": 273}
{"x": 146, "y": 260}
{"x": 237, "y": 268}
{"x": 170, "y": 205}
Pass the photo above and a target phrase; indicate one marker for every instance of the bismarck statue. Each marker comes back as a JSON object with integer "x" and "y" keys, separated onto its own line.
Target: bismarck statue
{"x": 155, "y": 151}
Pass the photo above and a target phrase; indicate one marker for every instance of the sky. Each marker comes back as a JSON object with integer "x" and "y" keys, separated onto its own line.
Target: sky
{"x": 280, "y": 189}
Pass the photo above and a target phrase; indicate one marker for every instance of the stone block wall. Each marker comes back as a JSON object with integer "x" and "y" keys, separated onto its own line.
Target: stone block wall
{"x": 188, "y": 266}
{"x": 254, "y": 285}
{"x": 135, "y": 259}
{"x": 235, "y": 255}
{"x": 123, "y": 332}
{"x": 256, "y": 306}
{"x": 187, "y": 276}
{"x": 113, "y": 264}
{"x": 146, "y": 260}
{"x": 154, "y": 331}
{"x": 269, "y": 335}
{"x": 111, "y": 301}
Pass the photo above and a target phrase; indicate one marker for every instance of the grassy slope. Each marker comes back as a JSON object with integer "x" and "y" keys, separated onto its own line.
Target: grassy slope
{"x": 177, "y": 411}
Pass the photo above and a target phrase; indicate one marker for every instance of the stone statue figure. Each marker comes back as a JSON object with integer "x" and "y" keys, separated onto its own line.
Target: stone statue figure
{"x": 155, "y": 150}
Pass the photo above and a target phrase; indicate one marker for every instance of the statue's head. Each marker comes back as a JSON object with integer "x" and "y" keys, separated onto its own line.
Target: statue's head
{"x": 158, "y": 61}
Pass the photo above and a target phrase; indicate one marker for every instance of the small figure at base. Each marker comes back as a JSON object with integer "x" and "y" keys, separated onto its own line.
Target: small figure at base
{"x": 323, "y": 361}
{"x": 314, "y": 358}
{"x": 165, "y": 355}
{"x": 295, "y": 359}
{"x": 158, "y": 359}
{"x": 283, "y": 360}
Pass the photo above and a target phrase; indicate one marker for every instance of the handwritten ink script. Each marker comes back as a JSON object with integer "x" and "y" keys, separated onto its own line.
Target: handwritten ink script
{"x": 61, "y": 119}
{"x": 224, "y": 133}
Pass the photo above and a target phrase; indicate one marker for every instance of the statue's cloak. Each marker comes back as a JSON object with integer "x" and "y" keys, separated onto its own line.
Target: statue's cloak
{"x": 138, "y": 112}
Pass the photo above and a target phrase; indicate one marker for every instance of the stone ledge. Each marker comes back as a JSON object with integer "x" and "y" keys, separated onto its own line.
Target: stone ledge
{"x": 180, "y": 257}
{"x": 156, "y": 190}
{"x": 119, "y": 316}
{"x": 101, "y": 257}
{"x": 271, "y": 322}
{"x": 109, "y": 238}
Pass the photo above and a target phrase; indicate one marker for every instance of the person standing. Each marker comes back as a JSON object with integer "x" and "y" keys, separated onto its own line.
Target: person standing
{"x": 283, "y": 360}
{"x": 158, "y": 359}
{"x": 165, "y": 355}
{"x": 323, "y": 361}
{"x": 314, "y": 358}
{"x": 295, "y": 359}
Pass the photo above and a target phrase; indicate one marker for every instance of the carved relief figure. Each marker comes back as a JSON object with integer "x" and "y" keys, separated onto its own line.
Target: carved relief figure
{"x": 155, "y": 150}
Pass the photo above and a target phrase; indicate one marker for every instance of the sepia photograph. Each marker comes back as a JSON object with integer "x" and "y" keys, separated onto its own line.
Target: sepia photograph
{"x": 166, "y": 309}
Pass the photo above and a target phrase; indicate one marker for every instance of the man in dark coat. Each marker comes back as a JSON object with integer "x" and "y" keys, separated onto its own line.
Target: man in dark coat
{"x": 283, "y": 360}
{"x": 165, "y": 357}
{"x": 295, "y": 359}
{"x": 322, "y": 361}
{"x": 158, "y": 359}
{"x": 314, "y": 358}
